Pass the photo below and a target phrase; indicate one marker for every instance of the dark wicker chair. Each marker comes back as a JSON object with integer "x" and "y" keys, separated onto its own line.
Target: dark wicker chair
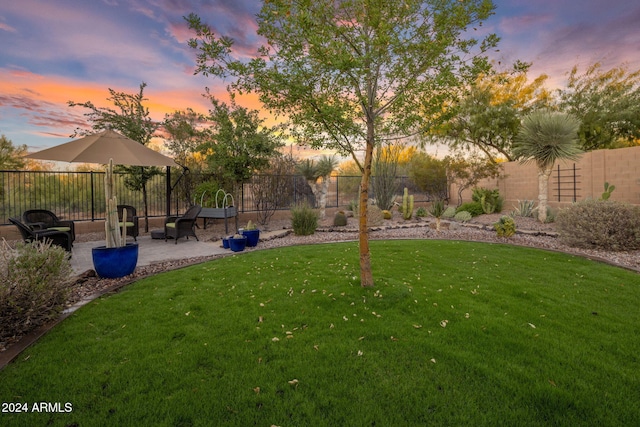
{"x": 42, "y": 219}
{"x": 183, "y": 226}
{"x": 133, "y": 226}
{"x": 59, "y": 238}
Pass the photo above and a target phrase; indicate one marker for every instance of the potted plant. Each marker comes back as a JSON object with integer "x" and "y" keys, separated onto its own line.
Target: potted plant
{"x": 237, "y": 242}
{"x": 252, "y": 233}
{"x": 117, "y": 258}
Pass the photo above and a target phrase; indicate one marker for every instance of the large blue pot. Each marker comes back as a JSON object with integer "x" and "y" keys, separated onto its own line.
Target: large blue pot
{"x": 253, "y": 236}
{"x": 237, "y": 244}
{"x": 112, "y": 263}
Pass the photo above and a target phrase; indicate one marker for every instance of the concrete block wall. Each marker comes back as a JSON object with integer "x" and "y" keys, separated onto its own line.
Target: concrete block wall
{"x": 619, "y": 167}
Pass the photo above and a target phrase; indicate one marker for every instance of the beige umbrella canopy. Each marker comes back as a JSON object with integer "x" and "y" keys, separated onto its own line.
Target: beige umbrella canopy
{"x": 102, "y": 146}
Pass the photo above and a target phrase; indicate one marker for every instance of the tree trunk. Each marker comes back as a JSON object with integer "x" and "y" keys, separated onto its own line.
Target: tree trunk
{"x": 543, "y": 190}
{"x": 146, "y": 207}
{"x": 366, "y": 276}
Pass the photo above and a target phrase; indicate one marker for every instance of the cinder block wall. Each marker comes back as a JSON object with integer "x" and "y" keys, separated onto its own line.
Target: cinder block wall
{"x": 620, "y": 167}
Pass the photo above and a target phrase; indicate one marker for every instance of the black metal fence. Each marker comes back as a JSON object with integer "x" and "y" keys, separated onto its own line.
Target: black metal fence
{"x": 79, "y": 196}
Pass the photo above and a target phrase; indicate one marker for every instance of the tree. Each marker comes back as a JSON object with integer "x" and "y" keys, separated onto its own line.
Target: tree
{"x": 544, "y": 138}
{"x": 183, "y": 135}
{"x": 467, "y": 171}
{"x": 11, "y": 155}
{"x": 348, "y": 74}
{"x": 131, "y": 118}
{"x": 607, "y": 103}
{"x": 488, "y": 117}
{"x": 317, "y": 175}
{"x": 430, "y": 175}
{"x": 237, "y": 144}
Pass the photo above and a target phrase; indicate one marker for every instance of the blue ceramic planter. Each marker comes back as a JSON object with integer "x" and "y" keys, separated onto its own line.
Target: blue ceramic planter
{"x": 237, "y": 244}
{"x": 112, "y": 263}
{"x": 253, "y": 236}
{"x": 225, "y": 242}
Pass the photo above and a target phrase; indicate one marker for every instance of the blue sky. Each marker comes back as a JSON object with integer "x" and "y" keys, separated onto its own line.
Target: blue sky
{"x": 54, "y": 51}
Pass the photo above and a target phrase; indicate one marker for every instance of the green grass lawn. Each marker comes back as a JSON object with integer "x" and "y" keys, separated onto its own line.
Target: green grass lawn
{"x": 454, "y": 333}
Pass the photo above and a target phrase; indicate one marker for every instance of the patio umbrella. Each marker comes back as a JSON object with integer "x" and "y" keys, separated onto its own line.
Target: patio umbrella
{"x": 102, "y": 146}
{"x": 105, "y": 145}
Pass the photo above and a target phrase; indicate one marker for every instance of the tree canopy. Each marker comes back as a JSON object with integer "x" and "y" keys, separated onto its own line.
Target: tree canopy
{"x": 348, "y": 74}
{"x": 608, "y": 104}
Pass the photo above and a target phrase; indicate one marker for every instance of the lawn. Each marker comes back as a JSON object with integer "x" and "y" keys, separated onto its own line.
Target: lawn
{"x": 454, "y": 333}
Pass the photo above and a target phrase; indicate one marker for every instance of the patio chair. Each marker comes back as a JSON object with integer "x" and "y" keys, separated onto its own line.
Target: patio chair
{"x": 58, "y": 238}
{"x": 183, "y": 226}
{"x": 133, "y": 227}
{"x": 42, "y": 219}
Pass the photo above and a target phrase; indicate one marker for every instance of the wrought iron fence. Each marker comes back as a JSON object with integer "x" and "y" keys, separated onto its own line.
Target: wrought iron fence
{"x": 79, "y": 196}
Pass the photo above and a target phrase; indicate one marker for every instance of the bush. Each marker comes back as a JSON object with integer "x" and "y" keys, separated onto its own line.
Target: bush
{"x": 421, "y": 212}
{"x": 462, "y": 216}
{"x": 304, "y": 220}
{"x": 505, "y": 227}
{"x": 474, "y": 208}
{"x": 489, "y": 200}
{"x": 450, "y": 212}
{"x": 601, "y": 224}
{"x": 33, "y": 286}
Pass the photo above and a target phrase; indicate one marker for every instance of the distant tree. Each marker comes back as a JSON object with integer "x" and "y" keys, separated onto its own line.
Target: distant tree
{"x": 274, "y": 187}
{"x": 183, "y": 134}
{"x": 238, "y": 144}
{"x": 546, "y": 137}
{"x": 430, "y": 175}
{"x": 348, "y": 74}
{"x": 130, "y": 118}
{"x": 608, "y": 104}
{"x": 488, "y": 117}
{"x": 467, "y": 169}
{"x": 11, "y": 156}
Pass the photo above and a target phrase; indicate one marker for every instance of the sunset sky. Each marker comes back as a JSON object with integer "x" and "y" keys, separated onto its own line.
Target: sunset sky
{"x": 54, "y": 51}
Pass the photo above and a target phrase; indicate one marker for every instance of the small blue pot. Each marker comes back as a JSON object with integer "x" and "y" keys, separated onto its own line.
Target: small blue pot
{"x": 253, "y": 236}
{"x": 113, "y": 263}
{"x": 237, "y": 244}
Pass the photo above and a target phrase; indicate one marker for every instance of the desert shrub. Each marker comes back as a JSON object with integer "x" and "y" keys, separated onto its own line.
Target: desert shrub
{"x": 450, "y": 212}
{"x": 505, "y": 227}
{"x": 489, "y": 200}
{"x": 340, "y": 219}
{"x": 462, "y": 216}
{"x": 421, "y": 212}
{"x": 601, "y": 224}
{"x": 474, "y": 208}
{"x": 34, "y": 279}
{"x": 304, "y": 220}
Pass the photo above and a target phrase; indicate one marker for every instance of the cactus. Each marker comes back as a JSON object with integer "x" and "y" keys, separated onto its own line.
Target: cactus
{"x": 386, "y": 214}
{"x": 407, "y": 204}
{"x": 608, "y": 189}
{"x": 250, "y": 226}
{"x": 340, "y": 219}
{"x": 115, "y": 237}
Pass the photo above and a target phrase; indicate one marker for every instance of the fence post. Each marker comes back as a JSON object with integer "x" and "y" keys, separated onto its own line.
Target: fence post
{"x": 93, "y": 199}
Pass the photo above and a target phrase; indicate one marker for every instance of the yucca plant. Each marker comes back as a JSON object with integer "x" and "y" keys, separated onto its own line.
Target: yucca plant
{"x": 544, "y": 138}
